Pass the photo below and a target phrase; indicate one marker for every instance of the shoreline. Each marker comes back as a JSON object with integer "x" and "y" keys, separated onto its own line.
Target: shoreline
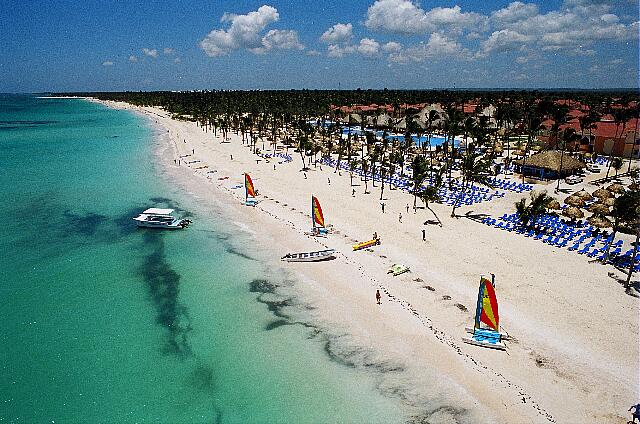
{"x": 414, "y": 338}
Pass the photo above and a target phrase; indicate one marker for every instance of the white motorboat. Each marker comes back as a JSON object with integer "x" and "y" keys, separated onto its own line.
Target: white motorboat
{"x": 320, "y": 255}
{"x": 160, "y": 218}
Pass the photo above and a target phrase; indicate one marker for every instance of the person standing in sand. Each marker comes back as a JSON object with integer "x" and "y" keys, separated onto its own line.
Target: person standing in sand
{"x": 400, "y": 218}
{"x": 378, "y": 297}
{"x": 424, "y": 235}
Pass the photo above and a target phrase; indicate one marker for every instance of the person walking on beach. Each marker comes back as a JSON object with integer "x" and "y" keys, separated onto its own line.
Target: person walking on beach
{"x": 353, "y": 192}
{"x": 329, "y": 181}
{"x": 407, "y": 208}
{"x": 400, "y": 218}
{"x": 424, "y": 235}
{"x": 378, "y": 297}
{"x": 382, "y": 205}
{"x": 635, "y": 413}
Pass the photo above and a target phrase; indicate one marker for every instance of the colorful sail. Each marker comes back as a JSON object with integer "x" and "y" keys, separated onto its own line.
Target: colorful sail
{"x": 250, "y": 190}
{"x": 316, "y": 212}
{"x": 487, "y": 308}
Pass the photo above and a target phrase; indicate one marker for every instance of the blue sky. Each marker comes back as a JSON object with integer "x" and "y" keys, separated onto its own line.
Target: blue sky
{"x": 66, "y": 45}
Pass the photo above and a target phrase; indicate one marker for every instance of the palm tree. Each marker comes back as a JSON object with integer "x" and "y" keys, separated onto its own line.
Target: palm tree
{"x": 539, "y": 204}
{"x": 365, "y": 169}
{"x": 568, "y": 135}
{"x": 474, "y": 169}
{"x": 620, "y": 116}
{"x": 430, "y": 193}
{"x": 420, "y": 172}
{"x": 623, "y": 211}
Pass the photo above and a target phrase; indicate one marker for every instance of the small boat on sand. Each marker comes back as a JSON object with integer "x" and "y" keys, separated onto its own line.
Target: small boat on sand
{"x": 160, "y": 218}
{"x": 486, "y": 328}
{"x": 365, "y": 244}
{"x": 397, "y": 269}
{"x": 320, "y": 255}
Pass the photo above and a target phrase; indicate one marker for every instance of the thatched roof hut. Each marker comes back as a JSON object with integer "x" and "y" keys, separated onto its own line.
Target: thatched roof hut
{"x": 599, "y": 208}
{"x": 550, "y": 160}
{"x": 575, "y": 201}
{"x": 602, "y": 193}
{"x": 599, "y": 221}
{"x": 616, "y": 188}
{"x": 584, "y": 194}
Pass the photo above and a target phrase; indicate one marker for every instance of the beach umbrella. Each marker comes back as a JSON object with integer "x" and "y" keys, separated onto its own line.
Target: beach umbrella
{"x": 574, "y": 201}
{"x": 599, "y": 221}
{"x": 609, "y": 201}
{"x": 554, "y": 204}
{"x": 573, "y": 212}
{"x": 616, "y": 188}
{"x": 602, "y": 193}
{"x": 598, "y": 208}
{"x": 584, "y": 194}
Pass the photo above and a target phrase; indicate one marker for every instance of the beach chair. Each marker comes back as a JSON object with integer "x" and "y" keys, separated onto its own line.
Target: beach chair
{"x": 593, "y": 253}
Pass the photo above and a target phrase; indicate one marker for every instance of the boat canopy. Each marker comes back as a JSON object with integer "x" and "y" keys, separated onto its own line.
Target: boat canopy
{"x": 158, "y": 211}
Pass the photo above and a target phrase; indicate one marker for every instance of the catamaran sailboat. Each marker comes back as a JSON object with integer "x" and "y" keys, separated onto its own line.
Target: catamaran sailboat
{"x": 160, "y": 218}
{"x": 249, "y": 191}
{"x": 317, "y": 219}
{"x": 486, "y": 328}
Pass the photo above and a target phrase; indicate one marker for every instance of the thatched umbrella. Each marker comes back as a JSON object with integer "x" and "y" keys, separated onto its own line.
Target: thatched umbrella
{"x": 602, "y": 193}
{"x": 573, "y": 212}
{"x": 583, "y": 194}
{"x": 609, "y": 201}
{"x": 574, "y": 201}
{"x": 599, "y": 209}
{"x": 554, "y": 204}
{"x": 599, "y": 221}
{"x": 616, "y": 188}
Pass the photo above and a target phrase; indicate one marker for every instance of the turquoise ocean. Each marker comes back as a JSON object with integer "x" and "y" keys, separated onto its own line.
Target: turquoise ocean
{"x": 104, "y": 322}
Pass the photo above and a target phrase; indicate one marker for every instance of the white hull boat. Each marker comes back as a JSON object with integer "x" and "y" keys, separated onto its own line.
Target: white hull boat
{"x": 320, "y": 255}
{"x": 160, "y": 218}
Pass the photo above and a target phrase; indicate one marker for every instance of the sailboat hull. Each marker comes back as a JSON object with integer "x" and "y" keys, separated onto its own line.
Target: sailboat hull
{"x": 499, "y": 345}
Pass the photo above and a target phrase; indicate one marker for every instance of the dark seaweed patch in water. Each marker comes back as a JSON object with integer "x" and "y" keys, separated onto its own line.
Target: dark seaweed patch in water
{"x": 233, "y": 251}
{"x": 262, "y": 286}
{"x": 26, "y": 123}
{"x": 163, "y": 285}
{"x": 202, "y": 378}
{"x": 276, "y": 324}
{"x": 86, "y": 224}
{"x": 444, "y": 413}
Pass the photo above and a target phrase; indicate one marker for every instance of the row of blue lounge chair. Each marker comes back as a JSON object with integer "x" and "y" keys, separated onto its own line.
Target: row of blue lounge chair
{"x": 286, "y": 157}
{"x": 553, "y": 231}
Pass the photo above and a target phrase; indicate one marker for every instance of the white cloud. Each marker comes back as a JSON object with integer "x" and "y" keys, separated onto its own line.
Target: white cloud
{"x": 438, "y": 47}
{"x": 313, "y": 53}
{"x": 406, "y": 17}
{"x": 133, "y": 59}
{"x": 150, "y": 52}
{"x": 168, "y": 51}
{"x": 391, "y": 47}
{"x": 245, "y": 33}
{"x": 177, "y": 60}
{"x": 368, "y": 47}
{"x": 514, "y": 12}
{"x": 107, "y": 63}
{"x": 338, "y": 33}
{"x": 504, "y": 40}
{"x": 335, "y": 50}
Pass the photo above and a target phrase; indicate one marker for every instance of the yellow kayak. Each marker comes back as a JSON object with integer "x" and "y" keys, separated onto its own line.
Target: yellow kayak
{"x": 366, "y": 244}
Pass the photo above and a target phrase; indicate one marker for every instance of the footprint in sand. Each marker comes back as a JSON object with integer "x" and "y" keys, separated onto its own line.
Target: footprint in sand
{"x": 429, "y": 288}
{"x": 461, "y": 307}
{"x": 446, "y": 297}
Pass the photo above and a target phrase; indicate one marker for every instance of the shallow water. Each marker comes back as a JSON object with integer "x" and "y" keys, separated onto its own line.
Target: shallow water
{"x": 103, "y": 322}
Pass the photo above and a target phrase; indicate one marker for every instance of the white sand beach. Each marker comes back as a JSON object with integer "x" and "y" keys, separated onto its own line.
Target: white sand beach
{"x": 574, "y": 353}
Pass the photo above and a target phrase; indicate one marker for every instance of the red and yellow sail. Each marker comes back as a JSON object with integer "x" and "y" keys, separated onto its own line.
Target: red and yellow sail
{"x": 316, "y": 212}
{"x": 487, "y": 310}
{"x": 251, "y": 192}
